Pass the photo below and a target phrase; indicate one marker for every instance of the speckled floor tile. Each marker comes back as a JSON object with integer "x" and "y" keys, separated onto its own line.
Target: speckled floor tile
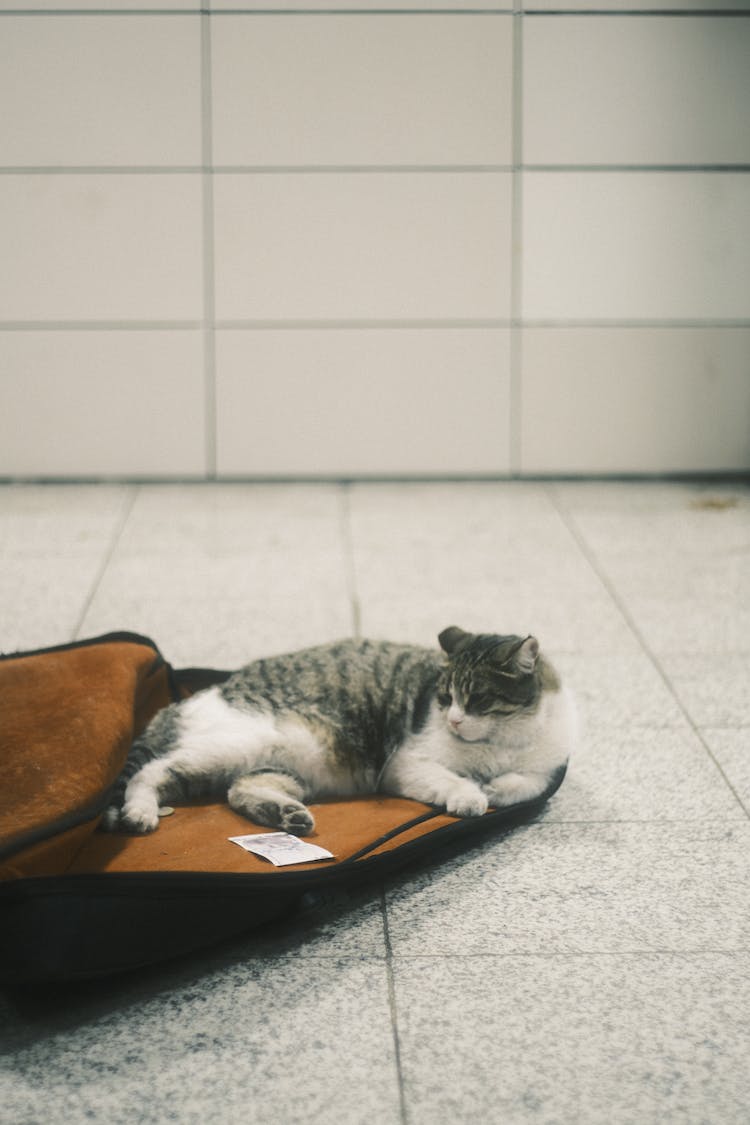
{"x": 714, "y": 688}
{"x": 42, "y": 599}
{"x": 641, "y": 499}
{"x": 61, "y": 521}
{"x": 646, "y": 774}
{"x": 225, "y": 612}
{"x": 232, "y": 519}
{"x": 417, "y": 610}
{"x": 54, "y": 543}
{"x": 591, "y": 966}
{"x": 629, "y": 1040}
{"x": 664, "y": 519}
{"x": 732, "y": 751}
{"x": 672, "y": 625}
{"x": 677, "y": 556}
{"x": 487, "y": 557}
{"x": 219, "y": 575}
{"x": 282, "y": 1040}
{"x": 603, "y": 888}
{"x": 619, "y": 690}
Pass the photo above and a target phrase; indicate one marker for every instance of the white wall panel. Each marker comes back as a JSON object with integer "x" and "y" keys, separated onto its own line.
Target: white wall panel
{"x": 93, "y": 90}
{"x": 399, "y": 401}
{"x": 636, "y": 91}
{"x": 636, "y": 245}
{"x": 86, "y": 247}
{"x": 360, "y": 207}
{"x": 97, "y": 403}
{"x": 371, "y": 90}
{"x": 623, "y": 400}
{"x": 371, "y": 246}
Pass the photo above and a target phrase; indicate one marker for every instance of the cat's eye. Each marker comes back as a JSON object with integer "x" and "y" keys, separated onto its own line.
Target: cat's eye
{"x": 479, "y": 703}
{"x": 486, "y": 703}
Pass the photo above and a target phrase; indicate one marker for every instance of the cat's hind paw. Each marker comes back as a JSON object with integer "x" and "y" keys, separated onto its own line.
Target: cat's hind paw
{"x": 297, "y": 819}
{"x": 271, "y": 803}
{"x": 288, "y": 816}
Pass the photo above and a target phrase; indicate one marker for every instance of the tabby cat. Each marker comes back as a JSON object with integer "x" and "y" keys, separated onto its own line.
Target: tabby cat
{"x": 485, "y": 722}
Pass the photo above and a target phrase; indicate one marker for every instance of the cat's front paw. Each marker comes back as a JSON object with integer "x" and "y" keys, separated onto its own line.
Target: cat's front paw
{"x": 466, "y": 800}
{"x": 138, "y": 819}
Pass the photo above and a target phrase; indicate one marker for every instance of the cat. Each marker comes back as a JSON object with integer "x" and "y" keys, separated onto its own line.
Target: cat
{"x": 483, "y": 723}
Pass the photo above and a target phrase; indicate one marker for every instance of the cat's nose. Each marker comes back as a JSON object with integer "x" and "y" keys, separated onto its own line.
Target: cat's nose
{"x": 455, "y": 717}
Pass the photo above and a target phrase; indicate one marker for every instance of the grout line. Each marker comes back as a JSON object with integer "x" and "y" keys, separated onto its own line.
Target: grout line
{"x": 357, "y": 169}
{"x": 393, "y": 1006}
{"x": 349, "y": 561}
{"x": 353, "y": 325}
{"x": 291, "y": 10}
{"x": 348, "y": 325}
{"x": 637, "y": 168}
{"x": 648, "y": 951}
{"x": 101, "y": 170}
{"x": 209, "y": 271}
{"x": 740, "y": 477}
{"x": 127, "y": 508}
{"x": 248, "y": 169}
{"x": 636, "y": 322}
{"x": 655, "y": 822}
{"x": 570, "y": 522}
{"x": 516, "y": 257}
{"x": 360, "y": 169}
{"x": 537, "y": 955}
{"x": 100, "y": 325}
{"x": 634, "y": 11}
{"x": 114, "y": 11}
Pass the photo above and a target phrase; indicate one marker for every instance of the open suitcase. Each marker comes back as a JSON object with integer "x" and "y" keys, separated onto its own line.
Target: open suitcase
{"x": 77, "y": 903}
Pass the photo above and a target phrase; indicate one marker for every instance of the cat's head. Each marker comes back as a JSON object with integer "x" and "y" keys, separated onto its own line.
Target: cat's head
{"x": 488, "y": 680}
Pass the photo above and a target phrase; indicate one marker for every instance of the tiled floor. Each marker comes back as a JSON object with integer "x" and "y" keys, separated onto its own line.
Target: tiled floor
{"x": 590, "y": 967}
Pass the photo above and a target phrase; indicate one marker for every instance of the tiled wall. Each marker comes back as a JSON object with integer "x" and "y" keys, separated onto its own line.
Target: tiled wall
{"x": 428, "y": 238}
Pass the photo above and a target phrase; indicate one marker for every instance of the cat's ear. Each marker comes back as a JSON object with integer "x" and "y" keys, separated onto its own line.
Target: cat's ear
{"x": 526, "y": 655}
{"x": 451, "y": 638}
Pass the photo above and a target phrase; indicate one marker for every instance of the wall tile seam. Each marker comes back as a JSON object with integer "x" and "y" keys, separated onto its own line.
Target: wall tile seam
{"x": 533, "y": 12}
{"x": 208, "y": 252}
{"x": 369, "y": 169}
{"x": 375, "y": 324}
{"x": 205, "y": 10}
{"x": 249, "y": 13}
{"x": 251, "y": 169}
{"x": 635, "y": 11}
{"x": 109, "y": 325}
{"x": 515, "y": 348}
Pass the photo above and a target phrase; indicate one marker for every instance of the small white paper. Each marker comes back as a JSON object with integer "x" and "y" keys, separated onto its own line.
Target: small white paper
{"x": 281, "y": 848}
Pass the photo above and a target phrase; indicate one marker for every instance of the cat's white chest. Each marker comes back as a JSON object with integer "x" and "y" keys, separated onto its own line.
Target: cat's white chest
{"x": 535, "y": 742}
